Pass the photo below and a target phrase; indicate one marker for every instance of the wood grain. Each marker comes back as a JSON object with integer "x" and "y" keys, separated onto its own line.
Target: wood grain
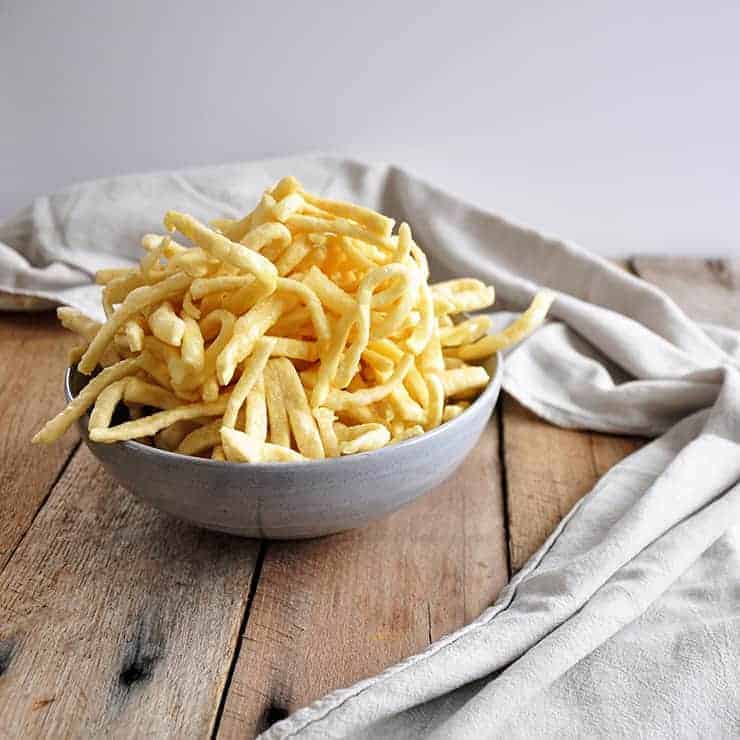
{"x": 34, "y": 356}
{"x": 116, "y": 620}
{"x": 328, "y": 612}
{"x": 708, "y": 290}
{"x": 119, "y": 621}
{"x": 548, "y": 470}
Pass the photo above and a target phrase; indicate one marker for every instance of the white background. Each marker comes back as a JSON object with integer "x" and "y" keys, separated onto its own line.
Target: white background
{"x": 615, "y": 125}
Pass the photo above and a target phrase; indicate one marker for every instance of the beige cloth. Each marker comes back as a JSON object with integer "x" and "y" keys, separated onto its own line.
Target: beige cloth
{"x": 627, "y": 622}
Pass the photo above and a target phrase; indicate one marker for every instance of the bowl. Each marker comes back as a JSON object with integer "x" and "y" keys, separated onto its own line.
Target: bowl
{"x": 294, "y": 500}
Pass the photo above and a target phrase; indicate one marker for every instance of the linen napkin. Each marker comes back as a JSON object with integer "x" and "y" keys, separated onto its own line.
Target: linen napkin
{"x": 626, "y": 622}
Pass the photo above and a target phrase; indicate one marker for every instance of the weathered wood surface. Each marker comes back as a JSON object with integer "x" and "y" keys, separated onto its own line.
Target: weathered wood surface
{"x": 34, "y": 355}
{"x": 331, "y": 611}
{"x": 707, "y": 289}
{"x": 547, "y": 471}
{"x": 117, "y": 620}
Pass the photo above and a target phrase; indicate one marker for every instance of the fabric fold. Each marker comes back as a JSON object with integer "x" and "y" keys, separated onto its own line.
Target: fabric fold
{"x": 617, "y": 552}
{"x": 627, "y": 621}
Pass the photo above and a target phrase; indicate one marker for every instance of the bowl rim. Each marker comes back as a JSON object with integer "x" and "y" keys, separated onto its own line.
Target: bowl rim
{"x": 492, "y": 388}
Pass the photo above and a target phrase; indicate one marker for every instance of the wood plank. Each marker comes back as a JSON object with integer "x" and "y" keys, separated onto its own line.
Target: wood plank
{"x": 86, "y": 653}
{"x": 330, "y": 611}
{"x": 34, "y": 349}
{"x": 548, "y": 470}
{"x": 708, "y": 290}
{"x": 116, "y": 619}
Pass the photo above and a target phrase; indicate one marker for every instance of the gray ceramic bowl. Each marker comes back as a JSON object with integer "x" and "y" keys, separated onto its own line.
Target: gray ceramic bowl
{"x": 294, "y": 500}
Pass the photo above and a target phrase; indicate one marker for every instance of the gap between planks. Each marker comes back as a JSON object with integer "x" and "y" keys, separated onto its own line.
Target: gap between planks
{"x": 274, "y": 643}
{"x": 102, "y": 600}
{"x": 127, "y": 599}
{"x": 330, "y": 611}
{"x": 546, "y": 469}
{"x": 242, "y": 628}
{"x": 116, "y": 619}
{"x": 281, "y": 669}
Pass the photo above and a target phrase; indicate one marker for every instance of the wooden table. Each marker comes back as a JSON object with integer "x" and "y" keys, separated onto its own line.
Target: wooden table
{"x": 116, "y": 619}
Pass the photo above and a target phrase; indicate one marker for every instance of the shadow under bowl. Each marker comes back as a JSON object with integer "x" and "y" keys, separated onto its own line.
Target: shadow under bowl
{"x": 294, "y": 500}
